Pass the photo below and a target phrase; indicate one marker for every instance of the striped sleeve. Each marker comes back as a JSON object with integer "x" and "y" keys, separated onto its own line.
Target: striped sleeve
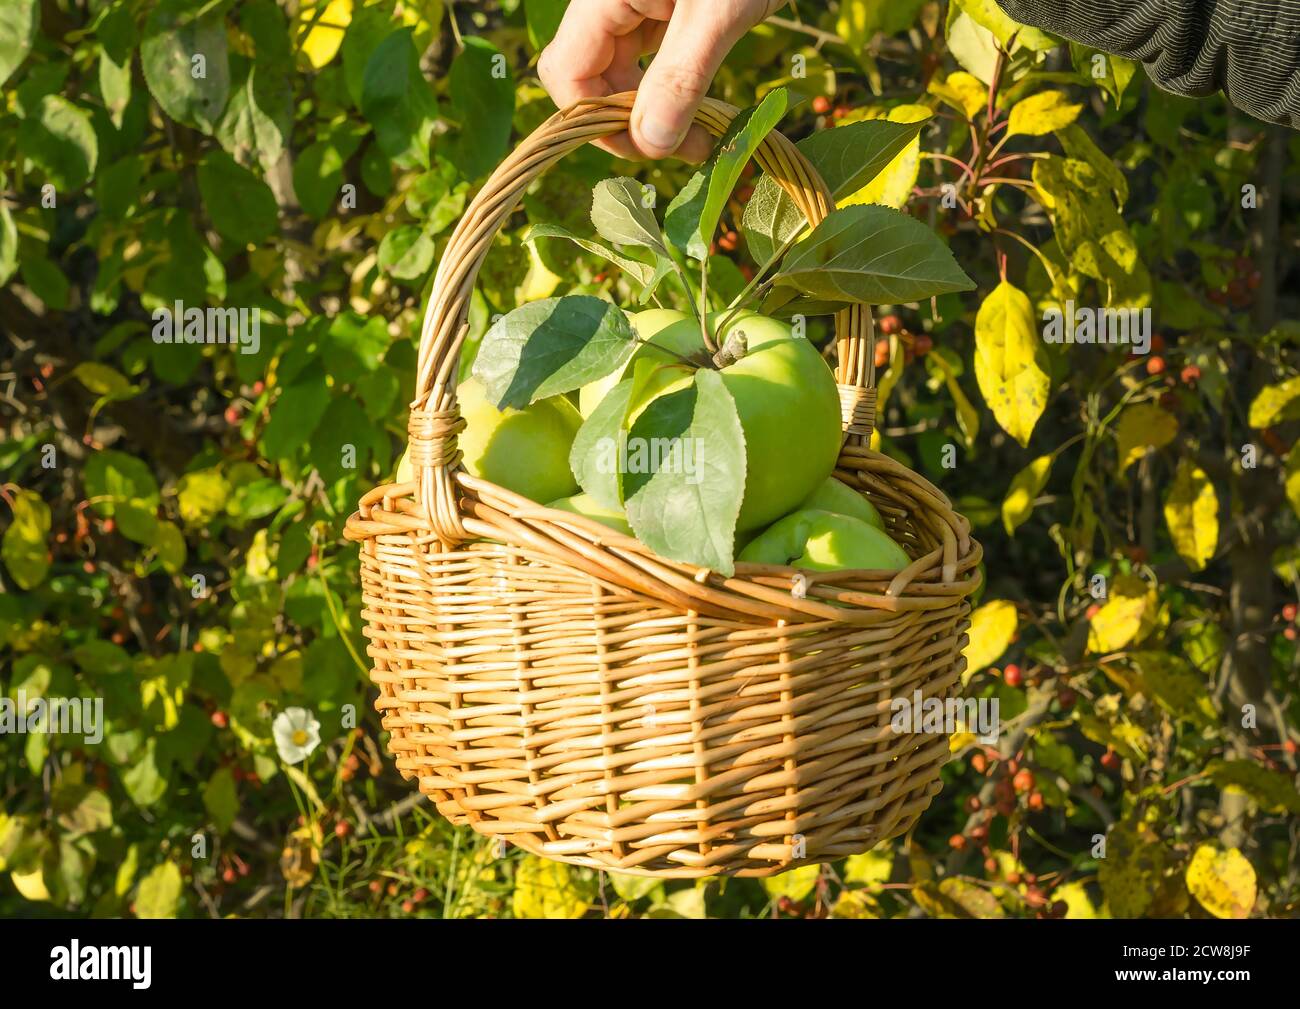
{"x": 1248, "y": 49}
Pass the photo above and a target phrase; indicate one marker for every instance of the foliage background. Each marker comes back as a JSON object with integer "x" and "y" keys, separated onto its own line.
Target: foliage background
{"x": 314, "y": 172}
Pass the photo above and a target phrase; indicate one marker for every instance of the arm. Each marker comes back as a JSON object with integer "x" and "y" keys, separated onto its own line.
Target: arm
{"x": 1249, "y": 49}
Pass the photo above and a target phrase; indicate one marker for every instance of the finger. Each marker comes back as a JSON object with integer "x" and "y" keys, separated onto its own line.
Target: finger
{"x": 698, "y": 37}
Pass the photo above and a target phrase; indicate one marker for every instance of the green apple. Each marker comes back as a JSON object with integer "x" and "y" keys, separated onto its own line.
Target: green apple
{"x": 824, "y": 541}
{"x": 836, "y": 496}
{"x": 665, "y": 343}
{"x": 785, "y": 396}
{"x": 526, "y": 451}
{"x": 585, "y": 504}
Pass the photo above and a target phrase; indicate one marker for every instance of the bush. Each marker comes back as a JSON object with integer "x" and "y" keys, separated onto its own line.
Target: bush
{"x": 173, "y": 545}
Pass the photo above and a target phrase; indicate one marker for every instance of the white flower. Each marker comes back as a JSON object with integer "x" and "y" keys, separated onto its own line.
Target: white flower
{"x": 296, "y": 733}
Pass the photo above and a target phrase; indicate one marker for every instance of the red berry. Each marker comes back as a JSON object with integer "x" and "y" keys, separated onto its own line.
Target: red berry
{"x": 1092, "y": 611}
{"x": 342, "y": 828}
{"x": 1190, "y": 374}
{"x": 957, "y": 842}
{"x": 882, "y": 353}
{"x": 1013, "y": 877}
{"x": 973, "y": 804}
{"x": 1237, "y": 290}
{"x": 1066, "y": 697}
{"x": 979, "y": 763}
{"x": 232, "y": 415}
{"x": 890, "y": 324}
{"x": 821, "y": 105}
{"x": 220, "y": 719}
{"x": 259, "y": 387}
{"x": 1059, "y": 908}
{"x": 979, "y": 832}
{"x": 376, "y": 885}
{"x": 118, "y": 637}
{"x": 88, "y": 567}
{"x": 1254, "y": 279}
{"x": 228, "y": 875}
{"x": 1035, "y": 801}
{"x": 990, "y": 864}
{"x": 729, "y": 241}
{"x": 1155, "y": 365}
{"x": 1157, "y": 343}
{"x": 923, "y": 344}
{"x": 1290, "y": 746}
{"x": 840, "y": 111}
{"x": 1289, "y": 634}
{"x": 1012, "y": 676}
{"x": 1035, "y": 897}
{"x": 1110, "y": 760}
{"x": 420, "y": 895}
{"x": 1023, "y": 781}
{"x": 109, "y": 525}
{"x": 408, "y": 906}
{"x": 743, "y": 193}
{"x": 1289, "y": 613}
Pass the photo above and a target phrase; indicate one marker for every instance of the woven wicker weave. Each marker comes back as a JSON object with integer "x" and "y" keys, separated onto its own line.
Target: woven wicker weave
{"x": 554, "y": 683}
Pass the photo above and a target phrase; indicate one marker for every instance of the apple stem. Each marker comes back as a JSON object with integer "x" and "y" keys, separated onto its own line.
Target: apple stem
{"x": 735, "y": 348}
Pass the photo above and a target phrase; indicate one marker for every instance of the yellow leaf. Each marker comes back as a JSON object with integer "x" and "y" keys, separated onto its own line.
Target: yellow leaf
{"x": 31, "y": 885}
{"x": 159, "y": 893}
{"x": 1222, "y": 881}
{"x": 991, "y": 628}
{"x": 1128, "y": 615}
{"x": 1192, "y": 514}
{"x": 1077, "y": 902}
{"x": 545, "y": 889}
{"x": 893, "y": 186}
{"x": 1025, "y": 487}
{"x": 870, "y": 867}
{"x": 1143, "y": 428}
{"x": 964, "y": 92}
{"x": 1292, "y": 473}
{"x": 323, "y": 41}
{"x": 1006, "y": 361}
{"x": 796, "y": 884}
{"x": 1041, "y": 113}
{"x": 1275, "y": 403}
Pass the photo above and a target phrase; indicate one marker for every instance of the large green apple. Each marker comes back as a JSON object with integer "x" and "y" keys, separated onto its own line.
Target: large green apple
{"x": 585, "y": 504}
{"x": 784, "y": 393}
{"x": 836, "y": 496}
{"x": 526, "y": 451}
{"x": 825, "y": 541}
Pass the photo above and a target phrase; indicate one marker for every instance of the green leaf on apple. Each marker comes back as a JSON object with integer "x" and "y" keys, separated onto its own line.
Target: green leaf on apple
{"x": 647, "y": 275}
{"x": 872, "y": 254}
{"x": 619, "y": 215}
{"x": 847, "y": 158}
{"x": 693, "y": 215}
{"x": 598, "y": 445}
{"x": 550, "y": 347}
{"x": 685, "y": 474}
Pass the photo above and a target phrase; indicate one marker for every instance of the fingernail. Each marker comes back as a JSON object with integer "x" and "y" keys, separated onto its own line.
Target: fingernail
{"x": 660, "y": 134}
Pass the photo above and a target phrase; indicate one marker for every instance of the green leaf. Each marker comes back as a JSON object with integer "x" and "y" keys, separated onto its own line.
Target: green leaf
{"x": 46, "y": 281}
{"x": 295, "y": 415}
{"x": 989, "y": 15}
{"x": 25, "y": 547}
{"x": 398, "y": 101}
{"x": 220, "y": 798}
{"x": 847, "y": 158}
{"x": 872, "y": 254}
{"x": 406, "y": 253}
{"x": 643, "y": 273}
{"x": 597, "y": 446}
{"x": 259, "y": 118}
{"x": 146, "y": 780}
{"x": 619, "y": 215}
{"x": 550, "y": 347}
{"x": 1143, "y": 428}
{"x": 369, "y": 27}
{"x": 159, "y": 893}
{"x": 318, "y": 172}
{"x": 19, "y": 20}
{"x": 82, "y": 809}
{"x": 1176, "y": 686}
{"x": 1008, "y": 366}
{"x": 1272, "y": 790}
{"x": 543, "y": 20}
{"x": 113, "y": 478}
{"x": 242, "y": 207}
{"x": 693, "y": 215}
{"x": 685, "y": 474}
{"x": 186, "y": 63}
{"x": 1025, "y": 488}
{"x": 482, "y": 91}
{"x": 61, "y": 141}
{"x": 8, "y": 243}
{"x": 1042, "y": 113}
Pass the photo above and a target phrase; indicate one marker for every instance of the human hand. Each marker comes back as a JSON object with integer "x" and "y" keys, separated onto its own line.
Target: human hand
{"x": 598, "y": 48}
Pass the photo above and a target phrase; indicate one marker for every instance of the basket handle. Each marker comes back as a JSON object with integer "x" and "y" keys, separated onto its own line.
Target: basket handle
{"x": 435, "y": 420}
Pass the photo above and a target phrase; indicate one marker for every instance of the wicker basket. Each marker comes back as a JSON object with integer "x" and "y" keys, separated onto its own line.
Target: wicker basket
{"x": 556, "y": 684}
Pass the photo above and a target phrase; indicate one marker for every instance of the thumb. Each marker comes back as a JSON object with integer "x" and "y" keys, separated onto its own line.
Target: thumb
{"x": 695, "y": 43}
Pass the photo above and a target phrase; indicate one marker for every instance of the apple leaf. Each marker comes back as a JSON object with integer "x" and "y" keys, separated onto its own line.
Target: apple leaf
{"x": 685, "y": 474}
{"x": 847, "y": 158}
{"x": 552, "y": 346}
{"x": 596, "y": 448}
{"x": 645, "y": 274}
{"x": 619, "y": 214}
{"x": 872, "y": 254}
{"x": 694, "y": 213}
